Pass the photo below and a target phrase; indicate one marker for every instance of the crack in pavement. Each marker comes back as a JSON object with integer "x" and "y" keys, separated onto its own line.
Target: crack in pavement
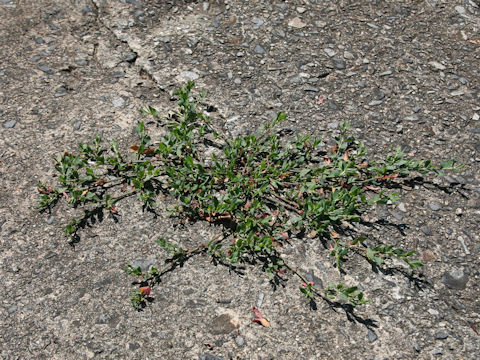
{"x": 143, "y": 72}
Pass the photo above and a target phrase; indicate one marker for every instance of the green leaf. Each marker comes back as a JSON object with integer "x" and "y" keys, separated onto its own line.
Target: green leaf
{"x": 414, "y": 264}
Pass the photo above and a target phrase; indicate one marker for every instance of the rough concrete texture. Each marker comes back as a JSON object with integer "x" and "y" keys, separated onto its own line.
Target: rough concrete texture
{"x": 403, "y": 72}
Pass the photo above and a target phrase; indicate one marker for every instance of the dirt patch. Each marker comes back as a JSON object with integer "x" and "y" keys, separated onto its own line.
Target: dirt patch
{"x": 402, "y": 72}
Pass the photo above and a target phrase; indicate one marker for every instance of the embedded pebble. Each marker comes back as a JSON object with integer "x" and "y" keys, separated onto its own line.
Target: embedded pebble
{"x": 330, "y": 52}
{"x": 334, "y": 106}
{"x": 46, "y": 69}
{"x": 189, "y": 76}
{"x": 208, "y": 356}
{"x": 441, "y": 335}
{"x": 118, "y": 102}
{"x": 240, "y": 341}
{"x": 81, "y": 62}
{"x": 462, "y": 242}
{"x": 260, "y": 297}
{"x": 9, "y": 124}
{"x": 297, "y": 23}
{"x": 433, "y": 312}
{"x": 456, "y": 279}
{"x": 426, "y": 230}
{"x": 339, "y": 63}
{"x": 130, "y": 57}
{"x": 401, "y": 207}
{"x": 435, "y": 206}
{"x": 371, "y": 336}
{"x": 61, "y": 91}
{"x": 460, "y": 9}
{"x": 259, "y": 49}
{"x": 436, "y": 65}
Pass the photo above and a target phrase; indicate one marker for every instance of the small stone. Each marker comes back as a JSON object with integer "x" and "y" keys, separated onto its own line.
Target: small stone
{"x": 348, "y": 55}
{"x": 205, "y": 5}
{"x": 295, "y": 80}
{"x": 458, "y": 211}
{"x": 310, "y": 88}
{"x": 240, "y": 341}
{"x": 413, "y": 117}
{"x": 258, "y": 22}
{"x": 416, "y": 346}
{"x": 436, "y": 65}
{"x": 330, "y": 52}
{"x": 375, "y": 102}
{"x": 333, "y": 106}
{"x": 462, "y": 242}
{"x": 86, "y": 10}
{"x": 135, "y": 3}
{"x": 9, "y": 124}
{"x": 317, "y": 282}
{"x": 232, "y": 120}
{"x": 441, "y": 335}
{"x": 433, "y": 312}
{"x": 259, "y": 49}
{"x": 476, "y": 117}
{"x": 339, "y": 63}
{"x": 237, "y": 81}
{"x": 401, "y": 207}
{"x": 437, "y": 352}
{"x": 459, "y": 92}
{"x": 61, "y": 91}
{"x": 260, "y": 297}
{"x": 77, "y": 124}
{"x": 396, "y": 215}
{"x": 460, "y": 9}
{"x": 428, "y": 256}
{"x": 297, "y": 23}
{"x": 118, "y": 102}
{"x": 50, "y": 220}
{"x": 189, "y": 76}
{"x": 81, "y": 62}
{"x": 435, "y": 206}
{"x": 12, "y": 309}
{"x": 130, "y": 57}
{"x": 301, "y": 10}
{"x": 371, "y": 336}
{"x": 133, "y": 346}
{"x": 46, "y": 69}
{"x": 455, "y": 279}
{"x": 222, "y": 324}
{"x": 426, "y": 230}
{"x": 39, "y": 40}
{"x": 208, "y": 356}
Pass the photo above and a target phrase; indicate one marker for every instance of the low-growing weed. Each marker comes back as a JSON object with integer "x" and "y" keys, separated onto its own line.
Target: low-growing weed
{"x": 266, "y": 192}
